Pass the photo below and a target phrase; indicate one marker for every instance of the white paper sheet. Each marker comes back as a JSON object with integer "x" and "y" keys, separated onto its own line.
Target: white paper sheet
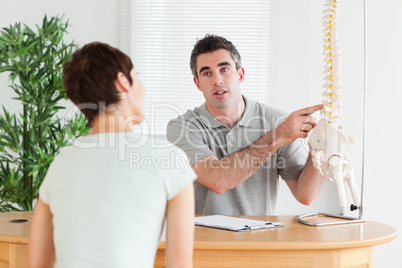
{"x": 234, "y": 223}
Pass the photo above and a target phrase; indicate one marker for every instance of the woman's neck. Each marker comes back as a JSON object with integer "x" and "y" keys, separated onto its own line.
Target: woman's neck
{"x": 112, "y": 122}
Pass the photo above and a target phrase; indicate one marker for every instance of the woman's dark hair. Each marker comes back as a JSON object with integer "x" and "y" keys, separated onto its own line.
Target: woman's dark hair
{"x": 90, "y": 75}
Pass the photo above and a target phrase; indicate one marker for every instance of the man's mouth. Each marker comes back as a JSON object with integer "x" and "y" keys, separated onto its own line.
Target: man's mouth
{"x": 220, "y": 91}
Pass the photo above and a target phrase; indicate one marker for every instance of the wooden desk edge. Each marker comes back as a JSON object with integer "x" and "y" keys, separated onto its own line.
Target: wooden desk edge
{"x": 285, "y": 245}
{"x": 14, "y": 239}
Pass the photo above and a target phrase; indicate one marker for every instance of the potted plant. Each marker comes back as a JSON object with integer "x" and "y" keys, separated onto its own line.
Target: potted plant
{"x": 30, "y": 139}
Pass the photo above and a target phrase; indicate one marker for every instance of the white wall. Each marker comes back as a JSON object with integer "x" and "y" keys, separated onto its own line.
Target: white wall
{"x": 383, "y": 181}
{"x": 93, "y": 20}
{"x": 89, "y": 20}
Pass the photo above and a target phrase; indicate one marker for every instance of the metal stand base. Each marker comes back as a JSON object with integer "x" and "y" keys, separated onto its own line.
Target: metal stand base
{"x": 345, "y": 220}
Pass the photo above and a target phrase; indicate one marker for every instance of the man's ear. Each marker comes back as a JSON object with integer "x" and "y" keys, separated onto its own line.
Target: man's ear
{"x": 197, "y": 82}
{"x": 122, "y": 83}
{"x": 241, "y": 74}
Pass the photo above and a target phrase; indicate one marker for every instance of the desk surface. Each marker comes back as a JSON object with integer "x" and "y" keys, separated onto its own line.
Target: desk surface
{"x": 294, "y": 245}
{"x": 293, "y": 235}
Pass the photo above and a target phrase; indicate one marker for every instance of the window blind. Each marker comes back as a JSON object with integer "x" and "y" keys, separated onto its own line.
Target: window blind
{"x": 159, "y": 36}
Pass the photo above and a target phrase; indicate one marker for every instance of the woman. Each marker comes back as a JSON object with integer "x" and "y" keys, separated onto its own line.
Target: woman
{"x": 104, "y": 199}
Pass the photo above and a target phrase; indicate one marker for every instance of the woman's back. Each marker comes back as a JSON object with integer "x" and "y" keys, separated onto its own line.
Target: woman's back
{"x": 108, "y": 194}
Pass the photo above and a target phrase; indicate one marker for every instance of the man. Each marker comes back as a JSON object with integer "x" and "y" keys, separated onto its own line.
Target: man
{"x": 239, "y": 147}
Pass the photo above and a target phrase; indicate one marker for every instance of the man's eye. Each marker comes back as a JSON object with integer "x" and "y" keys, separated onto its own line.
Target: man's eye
{"x": 224, "y": 70}
{"x": 206, "y": 74}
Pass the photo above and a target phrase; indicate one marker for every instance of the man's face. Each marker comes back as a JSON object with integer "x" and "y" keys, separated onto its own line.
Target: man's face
{"x": 218, "y": 79}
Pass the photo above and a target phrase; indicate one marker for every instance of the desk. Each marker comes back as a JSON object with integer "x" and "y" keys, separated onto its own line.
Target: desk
{"x": 295, "y": 245}
{"x": 14, "y": 240}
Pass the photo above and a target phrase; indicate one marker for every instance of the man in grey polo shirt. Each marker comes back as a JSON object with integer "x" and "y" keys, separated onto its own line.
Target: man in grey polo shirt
{"x": 239, "y": 147}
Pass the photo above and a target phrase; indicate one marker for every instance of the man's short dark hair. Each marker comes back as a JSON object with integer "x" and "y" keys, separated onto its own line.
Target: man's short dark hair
{"x": 209, "y": 44}
{"x": 90, "y": 75}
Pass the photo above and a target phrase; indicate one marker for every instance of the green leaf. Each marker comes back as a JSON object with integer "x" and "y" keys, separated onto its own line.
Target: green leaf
{"x": 7, "y": 69}
{"x": 30, "y": 140}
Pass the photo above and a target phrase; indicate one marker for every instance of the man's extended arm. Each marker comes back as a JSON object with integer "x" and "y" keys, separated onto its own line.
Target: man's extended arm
{"x": 306, "y": 188}
{"x": 225, "y": 174}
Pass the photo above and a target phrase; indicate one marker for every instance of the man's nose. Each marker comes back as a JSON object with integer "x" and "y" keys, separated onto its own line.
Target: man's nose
{"x": 218, "y": 79}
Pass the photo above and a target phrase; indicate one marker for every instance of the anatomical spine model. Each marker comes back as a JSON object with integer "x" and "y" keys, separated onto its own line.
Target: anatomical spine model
{"x": 330, "y": 145}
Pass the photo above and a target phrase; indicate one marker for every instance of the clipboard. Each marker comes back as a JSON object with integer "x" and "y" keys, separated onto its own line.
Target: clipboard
{"x": 234, "y": 223}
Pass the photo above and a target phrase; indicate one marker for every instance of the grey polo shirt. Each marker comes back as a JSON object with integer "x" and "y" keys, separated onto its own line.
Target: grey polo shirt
{"x": 199, "y": 134}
